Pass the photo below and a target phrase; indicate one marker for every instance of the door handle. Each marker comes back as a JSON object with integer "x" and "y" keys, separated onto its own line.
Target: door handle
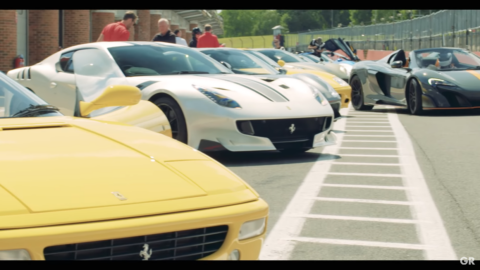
{"x": 53, "y": 85}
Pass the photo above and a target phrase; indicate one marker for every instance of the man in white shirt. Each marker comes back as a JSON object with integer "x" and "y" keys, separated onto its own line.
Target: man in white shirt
{"x": 179, "y": 39}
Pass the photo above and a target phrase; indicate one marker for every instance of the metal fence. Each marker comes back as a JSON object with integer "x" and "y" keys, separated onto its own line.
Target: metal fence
{"x": 447, "y": 28}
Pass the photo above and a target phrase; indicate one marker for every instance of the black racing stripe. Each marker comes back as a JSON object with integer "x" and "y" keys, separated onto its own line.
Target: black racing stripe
{"x": 259, "y": 88}
{"x": 144, "y": 85}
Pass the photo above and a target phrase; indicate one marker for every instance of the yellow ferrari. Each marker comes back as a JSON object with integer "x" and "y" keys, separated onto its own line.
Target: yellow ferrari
{"x": 73, "y": 188}
{"x": 340, "y": 86}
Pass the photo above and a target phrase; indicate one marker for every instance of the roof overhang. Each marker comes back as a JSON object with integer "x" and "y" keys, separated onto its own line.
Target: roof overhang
{"x": 202, "y": 17}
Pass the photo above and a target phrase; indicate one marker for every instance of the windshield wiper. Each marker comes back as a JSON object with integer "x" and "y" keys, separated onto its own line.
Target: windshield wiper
{"x": 187, "y": 72}
{"x": 35, "y": 110}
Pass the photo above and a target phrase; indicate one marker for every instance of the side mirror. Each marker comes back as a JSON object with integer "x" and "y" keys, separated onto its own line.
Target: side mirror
{"x": 396, "y": 64}
{"x": 282, "y": 71}
{"x": 58, "y": 67}
{"x": 114, "y": 95}
{"x": 281, "y": 63}
{"x": 227, "y": 65}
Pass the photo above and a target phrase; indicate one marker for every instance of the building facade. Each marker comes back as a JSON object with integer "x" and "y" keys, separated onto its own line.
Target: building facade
{"x": 36, "y": 34}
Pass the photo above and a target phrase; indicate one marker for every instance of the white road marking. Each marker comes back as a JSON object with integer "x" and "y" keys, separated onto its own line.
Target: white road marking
{"x": 366, "y": 130}
{"x": 362, "y": 122}
{"x": 385, "y": 220}
{"x": 360, "y": 243}
{"x": 346, "y": 135}
{"x": 366, "y": 164}
{"x": 364, "y": 201}
{"x": 366, "y": 186}
{"x": 432, "y": 234}
{"x": 367, "y": 174}
{"x": 275, "y": 247}
{"x": 349, "y": 126}
{"x": 353, "y": 155}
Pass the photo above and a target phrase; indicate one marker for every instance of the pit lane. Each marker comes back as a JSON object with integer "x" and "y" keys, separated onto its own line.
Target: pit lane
{"x": 358, "y": 202}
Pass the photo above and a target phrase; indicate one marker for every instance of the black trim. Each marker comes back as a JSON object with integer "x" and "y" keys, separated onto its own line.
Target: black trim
{"x": 210, "y": 146}
{"x": 144, "y": 85}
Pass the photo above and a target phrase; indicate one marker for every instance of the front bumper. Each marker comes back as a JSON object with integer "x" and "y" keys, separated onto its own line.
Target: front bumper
{"x": 35, "y": 240}
{"x": 449, "y": 98}
{"x": 345, "y": 93}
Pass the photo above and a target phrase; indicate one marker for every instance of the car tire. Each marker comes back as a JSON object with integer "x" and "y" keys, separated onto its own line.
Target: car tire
{"x": 414, "y": 98}
{"x": 357, "y": 95}
{"x": 175, "y": 117}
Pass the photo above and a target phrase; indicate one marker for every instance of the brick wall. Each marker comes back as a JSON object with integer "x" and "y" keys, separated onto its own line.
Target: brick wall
{"x": 42, "y": 34}
{"x": 99, "y": 21}
{"x": 154, "y": 25}
{"x": 143, "y": 25}
{"x": 193, "y": 25}
{"x": 76, "y": 27}
{"x": 8, "y": 39}
{"x": 188, "y": 37}
{"x": 183, "y": 33}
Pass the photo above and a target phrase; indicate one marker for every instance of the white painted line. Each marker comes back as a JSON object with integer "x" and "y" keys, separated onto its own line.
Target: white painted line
{"x": 386, "y": 220}
{"x": 359, "y": 243}
{"x": 367, "y": 148}
{"x": 365, "y": 186}
{"x": 366, "y": 164}
{"x": 434, "y": 233}
{"x": 275, "y": 247}
{"x": 352, "y": 130}
{"x": 350, "y": 121}
{"x": 369, "y": 141}
{"x": 363, "y": 201}
{"x": 353, "y": 155}
{"x": 367, "y": 174}
{"x": 346, "y": 135}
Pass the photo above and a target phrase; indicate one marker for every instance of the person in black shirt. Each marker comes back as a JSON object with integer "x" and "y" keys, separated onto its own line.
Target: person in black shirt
{"x": 165, "y": 34}
{"x": 196, "y": 32}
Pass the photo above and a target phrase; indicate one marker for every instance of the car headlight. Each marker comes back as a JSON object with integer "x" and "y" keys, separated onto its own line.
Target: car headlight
{"x": 14, "y": 254}
{"x": 218, "y": 98}
{"x": 318, "y": 96}
{"x": 251, "y": 229}
{"x": 332, "y": 91}
{"x": 435, "y": 82}
{"x": 340, "y": 81}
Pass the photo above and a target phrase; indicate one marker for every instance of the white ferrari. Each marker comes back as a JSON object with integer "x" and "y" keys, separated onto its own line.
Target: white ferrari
{"x": 208, "y": 107}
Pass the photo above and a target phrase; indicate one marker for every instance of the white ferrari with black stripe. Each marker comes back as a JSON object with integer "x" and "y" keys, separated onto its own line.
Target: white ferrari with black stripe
{"x": 208, "y": 107}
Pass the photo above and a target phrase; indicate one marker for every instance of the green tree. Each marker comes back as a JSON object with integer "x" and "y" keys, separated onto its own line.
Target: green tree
{"x": 238, "y": 23}
{"x": 266, "y": 21}
{"x": 358, "y": 17}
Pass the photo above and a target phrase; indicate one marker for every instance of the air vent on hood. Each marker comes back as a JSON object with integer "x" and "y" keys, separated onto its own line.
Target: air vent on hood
{"x": 284, "y": 86}
{"x": 32, "y": 126}
{"x": 268, "y": 80}
{"x": 146, "y": 84}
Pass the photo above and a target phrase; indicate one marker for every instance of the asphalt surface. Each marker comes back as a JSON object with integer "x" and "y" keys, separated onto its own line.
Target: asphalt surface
{"x": 363, "y": 199}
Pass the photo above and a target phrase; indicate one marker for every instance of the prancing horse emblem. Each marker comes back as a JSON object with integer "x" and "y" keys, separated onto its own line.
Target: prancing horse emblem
{"x": 144, "y": 253}
{"x": 292, "y": 128}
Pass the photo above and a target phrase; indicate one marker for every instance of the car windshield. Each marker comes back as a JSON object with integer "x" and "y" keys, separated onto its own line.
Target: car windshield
{"x": 267, "y": 60}
{"x": 148, "y": 60}
{"x": 276, "y": 55}
{"x": 241, "y": 62}
{"x": 315, "y": 58}
{"x": 446, "y": 59}
{"x": 17, "y": 101}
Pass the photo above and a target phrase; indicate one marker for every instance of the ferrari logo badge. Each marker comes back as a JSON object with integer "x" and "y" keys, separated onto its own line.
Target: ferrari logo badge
{"x": 145, "y": 253}
{"x": 292, "y": 128}
{"x": 119, "y": 196}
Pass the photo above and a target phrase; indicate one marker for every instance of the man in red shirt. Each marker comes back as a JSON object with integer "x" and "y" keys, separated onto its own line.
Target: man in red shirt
{"x": 208, "y": 40}
{"x": 119, "y": 31}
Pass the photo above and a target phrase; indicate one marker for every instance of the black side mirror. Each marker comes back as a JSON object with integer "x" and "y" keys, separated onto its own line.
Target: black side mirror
{"x": 397, "y": 64}
{"x": 227, "y": 65}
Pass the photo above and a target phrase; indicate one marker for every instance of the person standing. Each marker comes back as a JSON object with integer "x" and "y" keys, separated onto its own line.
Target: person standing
{"x": 317, "y": 46}
{"x": 119, "y": 31}
{"x": 196, "y": 33}
{"x": 208, "y": 40}
{"x": 277, "y": 45}
{"x": 179, "y": 38}
{"x": 165, "y": 35}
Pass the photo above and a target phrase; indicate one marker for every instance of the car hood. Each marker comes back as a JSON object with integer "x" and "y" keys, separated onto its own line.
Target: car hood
{"x": 242, "y": 88}
{"x": 62, "y": 163}
{"x": 466, "y": 79}
{"x": 326, "y": 67}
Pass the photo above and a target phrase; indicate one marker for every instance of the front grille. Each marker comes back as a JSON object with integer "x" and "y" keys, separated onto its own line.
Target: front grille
{"x": 181, "y": 245}
{"x": 286, "y": 133}
{"x": 455, "y": 99}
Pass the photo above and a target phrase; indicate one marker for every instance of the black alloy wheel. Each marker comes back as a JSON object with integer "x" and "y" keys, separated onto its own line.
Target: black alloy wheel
{"x": 175, "y": 117}
{"x": 357, "y": 95}
{"x": 414, "y": 98}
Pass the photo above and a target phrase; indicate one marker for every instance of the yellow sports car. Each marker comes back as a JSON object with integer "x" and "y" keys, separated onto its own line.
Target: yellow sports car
{"x": 80, "y": 189}
{"x": 340, "y": 86}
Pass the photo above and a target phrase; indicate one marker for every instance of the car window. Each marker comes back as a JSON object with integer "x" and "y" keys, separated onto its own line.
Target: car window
{"x": 241, "y": 61}
{"x": 276, "y": 55}
{"x": 446, "y": 59}
{"x": 15, "y": 98}
{"x": 264, "y": 58}
{"x": 66, "y": 62}
{"x": 155, "y": 59}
